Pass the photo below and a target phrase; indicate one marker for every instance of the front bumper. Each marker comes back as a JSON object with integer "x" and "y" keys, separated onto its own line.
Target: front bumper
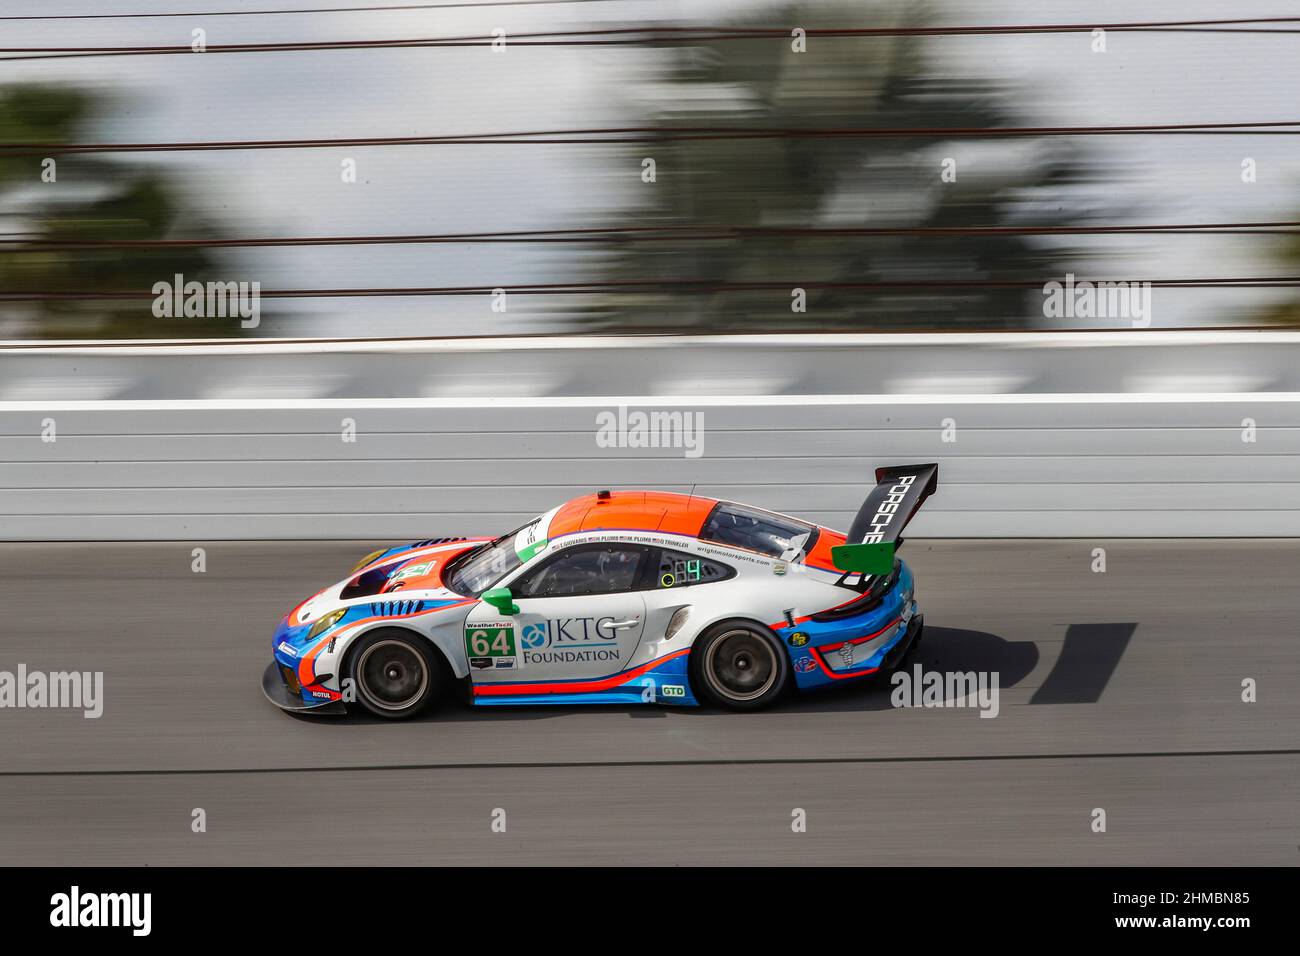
{"x": 278, "y": 693}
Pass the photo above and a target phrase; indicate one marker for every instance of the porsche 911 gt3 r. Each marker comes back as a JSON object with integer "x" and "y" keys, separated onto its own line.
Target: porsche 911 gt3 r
{"x": 615, "y": 597}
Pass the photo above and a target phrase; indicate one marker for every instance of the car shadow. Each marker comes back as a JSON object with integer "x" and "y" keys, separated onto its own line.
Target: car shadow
{"x": 942, "y": 649}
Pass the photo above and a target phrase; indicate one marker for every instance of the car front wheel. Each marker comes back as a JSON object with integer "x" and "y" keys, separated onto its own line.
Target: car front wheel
{"x": 396, "y": 673}
{"x": 739, "y": 665}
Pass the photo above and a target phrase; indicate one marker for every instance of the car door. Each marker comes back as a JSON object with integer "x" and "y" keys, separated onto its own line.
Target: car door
{"x": 581, "y": 617}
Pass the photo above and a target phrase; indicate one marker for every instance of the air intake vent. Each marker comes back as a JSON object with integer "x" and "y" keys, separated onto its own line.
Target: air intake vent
{"x": 395, "y": 608}
{"x": 431, "y": 541}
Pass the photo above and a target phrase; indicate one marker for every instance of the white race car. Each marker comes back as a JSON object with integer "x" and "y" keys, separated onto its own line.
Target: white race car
{"x": 622, "y": 597}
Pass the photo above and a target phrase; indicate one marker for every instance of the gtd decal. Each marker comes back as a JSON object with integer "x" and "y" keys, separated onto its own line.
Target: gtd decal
{"x": 673, "y": 690}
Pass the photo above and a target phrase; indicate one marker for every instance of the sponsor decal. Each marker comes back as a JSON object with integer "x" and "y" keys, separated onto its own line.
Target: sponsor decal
{"x": 285, "y": 649}
{"x": 570, "y": 640}
{"x": 585, "y": 655}
{"x": 530, "y": 552}
{"x": 846, "y": 654}
{"x": 480, "y": 663}
{"x": 569, "y": 632}
{"x": 534, "y": 636}
{"x": 798, "y": 639}
{"x": 887, "y": 509}
{"x": 323, "y": 695}
{"x": 413, "y": 570}
{"x": 805, "y": 664}
{"x": 530, "y": 541}
{"x": 493, "y": 642}
{"x": 778, "y": 568}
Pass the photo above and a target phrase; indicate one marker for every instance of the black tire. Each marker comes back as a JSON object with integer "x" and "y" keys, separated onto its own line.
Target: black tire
{"x": 396, "y": 673}
{"x": 739, "y": 665}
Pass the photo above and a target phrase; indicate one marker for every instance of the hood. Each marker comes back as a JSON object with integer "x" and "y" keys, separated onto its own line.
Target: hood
{"x": 396, "y": 571}
{"x": 411, "y": 567}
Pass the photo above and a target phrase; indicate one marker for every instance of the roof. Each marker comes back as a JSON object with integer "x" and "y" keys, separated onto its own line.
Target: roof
{"x": 661, "y": 511}
{"x": 635, "y": 511}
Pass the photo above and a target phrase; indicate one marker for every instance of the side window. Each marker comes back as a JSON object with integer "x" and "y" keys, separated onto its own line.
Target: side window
{"x": 677, "y": 569}
{"x": 591, "y": 569}
{"x": 756, "y": 530}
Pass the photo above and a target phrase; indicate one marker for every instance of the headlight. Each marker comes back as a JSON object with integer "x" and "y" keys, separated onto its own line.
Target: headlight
{"x": 326, "y": 622}
{"x": 366, "y": 560}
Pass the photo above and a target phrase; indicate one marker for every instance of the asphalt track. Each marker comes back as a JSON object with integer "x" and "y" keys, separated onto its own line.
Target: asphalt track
{"x": 1119, "y": 690}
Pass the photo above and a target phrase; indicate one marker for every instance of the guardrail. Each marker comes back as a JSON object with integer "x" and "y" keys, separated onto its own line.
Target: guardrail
{"x": 1129, "y": 362}
{"x": 1039, "y": 435}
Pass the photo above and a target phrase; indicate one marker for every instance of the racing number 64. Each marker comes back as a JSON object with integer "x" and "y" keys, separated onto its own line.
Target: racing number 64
{"x": 492, "y": 642}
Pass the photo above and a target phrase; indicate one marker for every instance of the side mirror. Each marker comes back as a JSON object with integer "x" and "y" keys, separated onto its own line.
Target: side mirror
{"x": 502, "y": 600}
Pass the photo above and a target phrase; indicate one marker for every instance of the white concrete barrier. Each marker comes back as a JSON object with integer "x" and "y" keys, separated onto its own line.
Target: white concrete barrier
{"x": 1017, "y": 463}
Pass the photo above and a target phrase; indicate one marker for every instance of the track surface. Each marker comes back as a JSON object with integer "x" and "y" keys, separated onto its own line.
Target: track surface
{"x": 1119, "y": 690}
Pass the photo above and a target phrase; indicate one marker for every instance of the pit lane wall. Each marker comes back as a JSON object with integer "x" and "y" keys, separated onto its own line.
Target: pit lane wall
{"x": 1143, "y": 434}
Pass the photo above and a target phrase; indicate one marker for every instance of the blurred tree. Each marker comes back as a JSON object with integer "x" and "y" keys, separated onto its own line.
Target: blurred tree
{"x": 833, "y": 183}
{"x": 91, "y": 198}
{"x": 1286, "y": 262}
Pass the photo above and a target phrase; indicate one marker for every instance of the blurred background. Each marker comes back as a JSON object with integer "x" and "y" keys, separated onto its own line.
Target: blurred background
{"x": 676, "y": 251}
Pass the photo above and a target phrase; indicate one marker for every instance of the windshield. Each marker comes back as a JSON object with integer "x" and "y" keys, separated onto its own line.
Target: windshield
{"x": 488, "y": 564}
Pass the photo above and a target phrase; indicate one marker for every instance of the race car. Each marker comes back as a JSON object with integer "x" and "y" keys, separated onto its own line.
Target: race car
{"x": 619, "y": 597}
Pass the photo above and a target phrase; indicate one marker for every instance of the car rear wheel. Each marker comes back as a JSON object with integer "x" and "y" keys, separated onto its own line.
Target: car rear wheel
{"x": 396, "y": 673}
{"x": 739, "y": 665}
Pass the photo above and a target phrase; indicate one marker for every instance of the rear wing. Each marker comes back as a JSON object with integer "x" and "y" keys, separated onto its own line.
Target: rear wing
{"x": 899, "y": 493}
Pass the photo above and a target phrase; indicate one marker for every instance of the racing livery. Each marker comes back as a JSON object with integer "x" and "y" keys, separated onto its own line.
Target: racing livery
{"x": 615, "y": 597}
